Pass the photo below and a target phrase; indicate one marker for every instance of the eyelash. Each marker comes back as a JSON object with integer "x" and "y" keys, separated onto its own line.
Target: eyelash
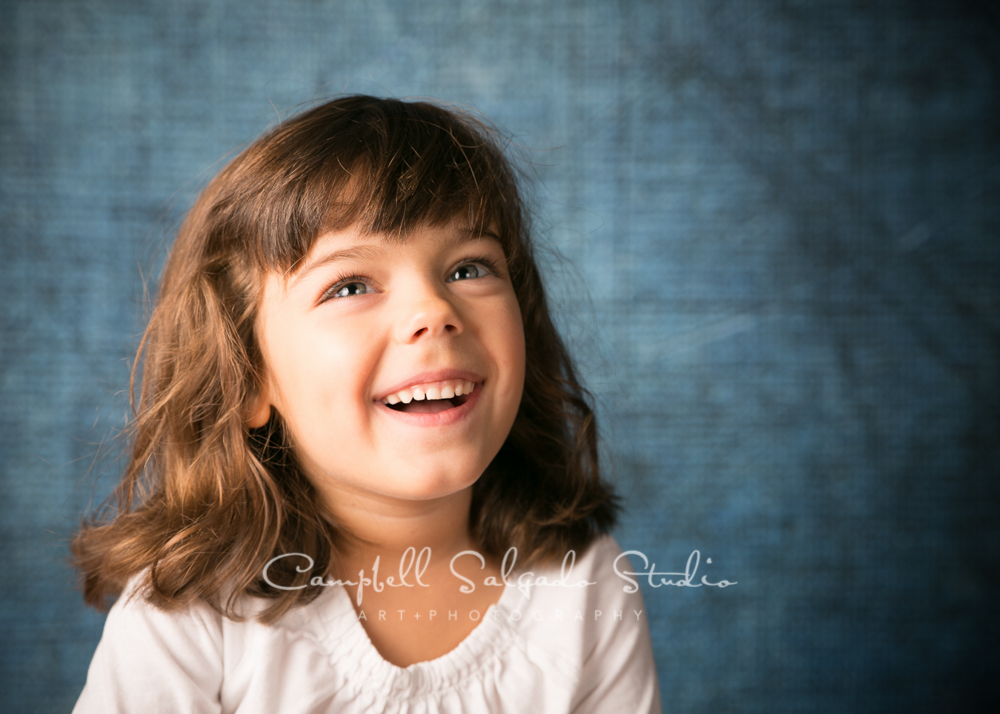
{"x": 342, "y": 281}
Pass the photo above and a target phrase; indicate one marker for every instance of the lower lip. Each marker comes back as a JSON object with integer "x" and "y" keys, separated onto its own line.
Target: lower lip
{"x": 448, "y": 416}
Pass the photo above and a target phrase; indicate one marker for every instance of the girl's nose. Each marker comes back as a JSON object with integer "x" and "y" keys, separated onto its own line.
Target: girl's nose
{"x": 428, "y": 313}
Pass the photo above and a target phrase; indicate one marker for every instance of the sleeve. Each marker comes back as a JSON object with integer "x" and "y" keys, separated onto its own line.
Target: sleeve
{"x": 151, "y": 661}
{"x": 619, "y": 673}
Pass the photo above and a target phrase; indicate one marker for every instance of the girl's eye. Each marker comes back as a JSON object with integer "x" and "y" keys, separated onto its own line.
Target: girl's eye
{"x": 350, "y": 289}
{"x": 468, "y": 271}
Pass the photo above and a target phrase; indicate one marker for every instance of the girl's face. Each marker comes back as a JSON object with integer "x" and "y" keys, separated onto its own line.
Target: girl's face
{"x": 362, "y": 329}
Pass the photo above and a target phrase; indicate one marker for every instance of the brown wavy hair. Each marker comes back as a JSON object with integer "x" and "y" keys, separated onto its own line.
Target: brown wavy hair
{"x": 205, "y": 501}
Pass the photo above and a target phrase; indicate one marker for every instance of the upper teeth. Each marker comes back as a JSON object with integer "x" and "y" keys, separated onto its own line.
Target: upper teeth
{"x": 434, "y": 390}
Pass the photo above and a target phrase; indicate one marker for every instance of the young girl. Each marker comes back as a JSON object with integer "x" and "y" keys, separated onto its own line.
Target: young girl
{"x": 364, "y": 475}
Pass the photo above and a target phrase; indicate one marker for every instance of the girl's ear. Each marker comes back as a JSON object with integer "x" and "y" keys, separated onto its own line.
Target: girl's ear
{"x": 259, "y": 409}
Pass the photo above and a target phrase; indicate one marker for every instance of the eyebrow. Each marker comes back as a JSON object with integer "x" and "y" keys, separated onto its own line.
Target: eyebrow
{"x": 475, "y": 233}
{"x": 365, "y": 250}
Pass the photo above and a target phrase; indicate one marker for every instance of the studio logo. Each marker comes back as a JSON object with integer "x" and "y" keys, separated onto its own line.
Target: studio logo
{"x": 413, "y": 565}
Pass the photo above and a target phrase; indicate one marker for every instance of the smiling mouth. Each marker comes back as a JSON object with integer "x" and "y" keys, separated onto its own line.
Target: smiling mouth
{"x": 431, "y": 399}
{"x": 429, "y": 406}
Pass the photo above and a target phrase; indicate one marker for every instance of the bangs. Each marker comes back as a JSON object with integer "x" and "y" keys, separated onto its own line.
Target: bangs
{"x": 377, "y": 165}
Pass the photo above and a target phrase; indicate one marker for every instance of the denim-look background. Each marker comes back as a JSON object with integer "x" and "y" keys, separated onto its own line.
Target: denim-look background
{"x": 778, "y": 225}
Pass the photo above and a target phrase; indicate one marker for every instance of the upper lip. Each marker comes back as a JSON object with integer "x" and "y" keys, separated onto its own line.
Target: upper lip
{"x": 427, "y": 377}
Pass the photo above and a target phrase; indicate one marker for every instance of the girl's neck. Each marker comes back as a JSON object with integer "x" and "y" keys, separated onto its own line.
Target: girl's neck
{"x": 385, "y": 529}
{"x": 388, "y": 527}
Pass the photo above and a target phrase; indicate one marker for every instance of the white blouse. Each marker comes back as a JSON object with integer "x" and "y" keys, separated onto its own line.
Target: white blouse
{"x": 547, "y": 648}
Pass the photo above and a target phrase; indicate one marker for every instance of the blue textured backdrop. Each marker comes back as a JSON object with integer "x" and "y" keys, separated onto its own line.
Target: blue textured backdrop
{"x": 780, "y": 230}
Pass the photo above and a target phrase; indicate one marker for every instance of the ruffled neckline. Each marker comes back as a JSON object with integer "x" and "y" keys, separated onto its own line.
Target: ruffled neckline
{"x": 369, "y": 675}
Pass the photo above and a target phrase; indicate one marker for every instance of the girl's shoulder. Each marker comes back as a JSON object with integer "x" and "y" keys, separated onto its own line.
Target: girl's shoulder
{"x": 580, "y": 618}
{"x": 150, "y": 659}
{"x": 185, "y": 659}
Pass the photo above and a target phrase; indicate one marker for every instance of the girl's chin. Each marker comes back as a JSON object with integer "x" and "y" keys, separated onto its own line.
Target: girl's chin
{"x": 429, "y": 485}
{"x": 400, "y": 479}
